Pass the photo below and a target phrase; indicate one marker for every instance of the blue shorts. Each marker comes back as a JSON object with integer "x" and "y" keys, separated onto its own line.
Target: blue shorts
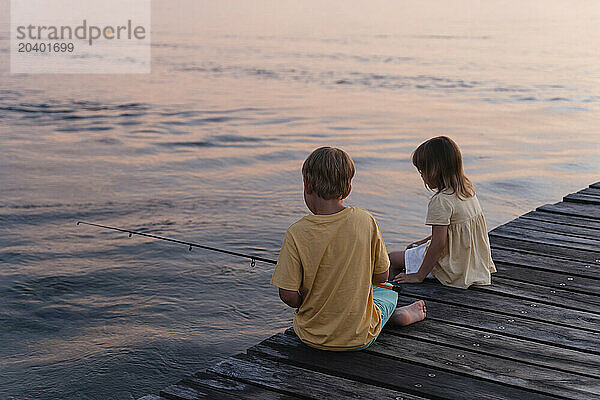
{"x": 386, "y": 300}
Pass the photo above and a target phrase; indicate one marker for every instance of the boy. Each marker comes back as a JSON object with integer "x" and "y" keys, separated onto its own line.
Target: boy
{"x": 330, "y": 261}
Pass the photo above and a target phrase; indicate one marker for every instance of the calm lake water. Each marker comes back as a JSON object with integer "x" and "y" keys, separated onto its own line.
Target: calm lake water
{"x": 208, "y": 148}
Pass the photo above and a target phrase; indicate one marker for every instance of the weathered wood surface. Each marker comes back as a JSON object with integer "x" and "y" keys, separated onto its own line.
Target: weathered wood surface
{"x": 514, "y": 326}
{"x": 500, "y": 345}
{"x": 533, "y": 334}
{"x": 545, "y": 247}
{"x": 504, "y": 305}
{"x": 560, "y": 221}
{"x": 510, "y": 372}
{"x": 534, "y": 224}
{"x": 386, "y": 371}
{"x": 590, "y": 211}
{"x": 542, "y": 262}
{"x": 583, "y": 198}
{"x": 543, "y": 294}
{"x": 237, "y": 389}
{"x": 590, "y": 192}
{"x": 557, "y": 239}
{"x": 550, "y": 279}
{"x": 294, "y": 380}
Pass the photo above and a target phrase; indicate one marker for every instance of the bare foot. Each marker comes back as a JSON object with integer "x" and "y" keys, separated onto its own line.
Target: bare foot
{"x": 410, "y": 314}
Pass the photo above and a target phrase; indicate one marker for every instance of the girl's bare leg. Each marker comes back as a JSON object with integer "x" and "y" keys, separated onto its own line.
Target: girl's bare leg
{"x": 397, "y": 265}
{"x": 410, "y": 314}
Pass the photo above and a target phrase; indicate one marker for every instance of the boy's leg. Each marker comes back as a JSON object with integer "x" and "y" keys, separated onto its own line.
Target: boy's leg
{"x": 397, "y": 264}
{"x": 409, "y": 314}
{"x": 386, "y": 300}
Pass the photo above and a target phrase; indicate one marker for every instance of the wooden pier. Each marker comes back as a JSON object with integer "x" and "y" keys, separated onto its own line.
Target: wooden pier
{"x": 533, "y": 334}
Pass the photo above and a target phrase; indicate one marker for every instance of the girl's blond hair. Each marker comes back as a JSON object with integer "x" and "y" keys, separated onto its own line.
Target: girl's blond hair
{"x": 440, "y": 162}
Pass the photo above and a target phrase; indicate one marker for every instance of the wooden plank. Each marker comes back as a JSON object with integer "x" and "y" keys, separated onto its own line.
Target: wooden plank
{"x": 500, "y": 345}
{"x": 500, "y": 370}
{"x": 549, "y": 280}
{"x": 502, "y": 305}
{"x": 518, "y": 327}
{"x": 547, "y": 249}
{"x": 539, "y": 262}
{"x": 555, "y": 239}
{"x": 180, "y": 392}
{"x": 543, "y": 294}
{"x": 582, "y": 199}
{"x": 590, "y": 192}
{"x": 291, "y": 380}
{"x": 387, "y": 372}
{"x": 239, "y": 390}
{"x": 578, "y": 210}
{"x": 570, "y": 220}
{"x": 552, "y": 227}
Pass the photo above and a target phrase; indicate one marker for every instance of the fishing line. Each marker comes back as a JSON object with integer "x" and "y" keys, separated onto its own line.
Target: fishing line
{"x": 253, "y": 259}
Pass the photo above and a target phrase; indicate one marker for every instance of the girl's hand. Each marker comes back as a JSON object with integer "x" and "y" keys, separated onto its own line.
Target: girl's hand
{"x": 407, "y": 278}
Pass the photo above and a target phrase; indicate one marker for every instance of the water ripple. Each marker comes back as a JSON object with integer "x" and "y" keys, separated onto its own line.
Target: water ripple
{"x": 480, "y": 90}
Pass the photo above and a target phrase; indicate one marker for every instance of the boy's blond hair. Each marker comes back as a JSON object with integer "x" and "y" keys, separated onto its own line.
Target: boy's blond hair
{"x": 329, "y": 171}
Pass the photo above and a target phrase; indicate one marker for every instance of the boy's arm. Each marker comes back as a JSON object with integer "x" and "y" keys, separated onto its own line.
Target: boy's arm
{"x": 290, "y": 297}
{"x": 380, "y": 278}
{"x": 288, "y": 273}
{"x": 381, "y": 268}
{"x": 439, "y": 238}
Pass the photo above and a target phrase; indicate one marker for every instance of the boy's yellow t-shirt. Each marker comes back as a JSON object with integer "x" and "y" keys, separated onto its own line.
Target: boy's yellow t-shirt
{"x": 331, "y": 260}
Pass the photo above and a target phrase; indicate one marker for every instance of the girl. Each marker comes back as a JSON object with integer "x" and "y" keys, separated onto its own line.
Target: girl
{"x": 458, "y": 251}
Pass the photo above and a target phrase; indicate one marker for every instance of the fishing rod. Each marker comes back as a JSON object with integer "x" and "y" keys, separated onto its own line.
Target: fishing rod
{"x": 253, "y": 259}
